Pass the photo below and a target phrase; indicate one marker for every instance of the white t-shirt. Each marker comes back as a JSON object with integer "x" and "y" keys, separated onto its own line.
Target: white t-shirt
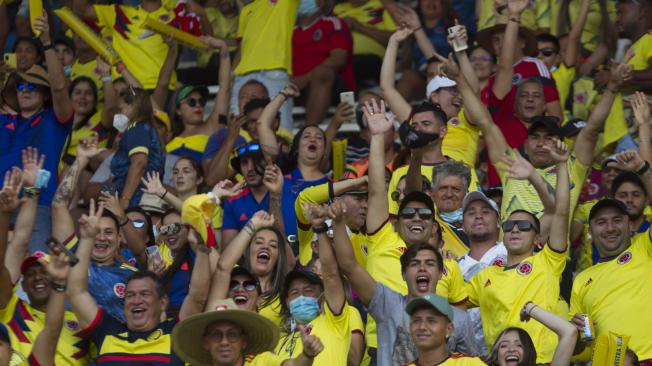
{"x": 470, "y": 266}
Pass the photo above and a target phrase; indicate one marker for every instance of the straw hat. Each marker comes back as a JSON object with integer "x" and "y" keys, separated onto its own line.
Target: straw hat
{"x": 262, "y": 334}
{"x": 483, "y": 37}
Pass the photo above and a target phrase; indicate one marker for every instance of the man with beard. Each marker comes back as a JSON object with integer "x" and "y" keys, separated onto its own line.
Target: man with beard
{"x": 634, "y": 19}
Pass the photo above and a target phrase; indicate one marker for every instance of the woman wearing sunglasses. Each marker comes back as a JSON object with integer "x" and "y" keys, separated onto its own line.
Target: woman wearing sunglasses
{"x": 239, "y": 284}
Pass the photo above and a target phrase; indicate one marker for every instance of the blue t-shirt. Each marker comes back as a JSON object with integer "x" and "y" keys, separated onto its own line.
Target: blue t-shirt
{"x": 107, "y": 285}
{"x": 438, "y": 36}
{"x": 140, "y": 137}
{"x": 215, "y": 142}
{"x": 178, "y": 289}
{"x": 239, "y": 209}
{"x": 44, "y": 130}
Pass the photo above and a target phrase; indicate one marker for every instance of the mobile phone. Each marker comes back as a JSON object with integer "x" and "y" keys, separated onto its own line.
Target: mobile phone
{"x": 154, "y": 254}
{"x": 10, "y": 60}
{"x": 72, "y": 258}
{"x": 348, "y": 97}
{"x": 110, "y": 188}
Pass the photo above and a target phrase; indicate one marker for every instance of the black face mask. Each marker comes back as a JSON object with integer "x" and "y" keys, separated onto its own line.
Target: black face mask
{"x": 414, "y": 139}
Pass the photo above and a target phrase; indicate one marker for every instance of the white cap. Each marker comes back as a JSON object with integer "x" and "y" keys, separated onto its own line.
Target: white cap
{"x": 479, "y": 196}
{"x": 438, "y": 82}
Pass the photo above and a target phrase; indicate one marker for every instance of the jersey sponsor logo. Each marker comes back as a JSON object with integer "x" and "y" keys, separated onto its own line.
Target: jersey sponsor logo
{"x": 243, "y": 217}
{"x": 72, "y": 325}
{"x": 155, "y": 335}
{"x": 316, "y": 35}
{"x": 119, "y": 290}
{"x": 524, "y": 268}
{"x": 624, "y": 258}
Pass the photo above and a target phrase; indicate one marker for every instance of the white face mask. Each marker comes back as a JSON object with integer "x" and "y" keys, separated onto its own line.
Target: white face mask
{"x": 120, "y": 122}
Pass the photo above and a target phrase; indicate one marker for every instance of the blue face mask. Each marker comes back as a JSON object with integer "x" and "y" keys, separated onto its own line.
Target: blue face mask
{"x": 304, "y": 309}
{"x": 452, "y": 217}
{"x": 308, "y": 7}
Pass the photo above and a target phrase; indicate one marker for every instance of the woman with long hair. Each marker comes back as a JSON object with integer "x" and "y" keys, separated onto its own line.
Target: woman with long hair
{"x": 188, "y": 180}
{"x": 139, "y": 151}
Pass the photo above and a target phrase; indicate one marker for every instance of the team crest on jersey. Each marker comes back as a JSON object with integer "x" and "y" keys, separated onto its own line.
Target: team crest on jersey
{"x": 316, "y": 35}
{"x": 516, "y": 78}
{"x": 221, "y": 307}
{"x": 155, "y": 335}
{"x": 581, "y": 98}
{"x": 624, "y": 258}
{"x": 499, "y": 261}
{"x": 72, "y": 325}
{"x": 454, "y": 121}
{"x": 524, "y": 268}
{"x": 119, "y": 290}
{"x": 273, "y": 2}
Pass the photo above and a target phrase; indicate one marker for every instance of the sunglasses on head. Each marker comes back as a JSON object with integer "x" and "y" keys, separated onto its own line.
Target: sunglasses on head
{"x": 409, "y": 212}
{"x": 523, "y": 225}
{"x": 170, "y": 229}
{"x": 193, "y": 102}
{"x": 26, "y": 87}
{"x": 547, "y": 51}
{"x": 248, "y": 285}
{"x": 138, "y": 224}
{"x": 248, "y": 148}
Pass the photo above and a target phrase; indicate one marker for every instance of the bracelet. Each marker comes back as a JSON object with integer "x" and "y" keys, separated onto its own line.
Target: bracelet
{"x": 515, "y": 20}
{"x": 58, "y": 287}
{"x": 163, "y": 195}
{"x": 320, "y": 229}
{"x": 31, "y": 192}
{"x": 125, "y": 223}
{"x": 644, "y": 168}
{"x": 250, "y": 228}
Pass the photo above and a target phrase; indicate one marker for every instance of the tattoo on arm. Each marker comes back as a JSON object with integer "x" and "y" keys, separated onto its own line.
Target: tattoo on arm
{"x": 275, "y": 209}
{"x": 67, "y": 185}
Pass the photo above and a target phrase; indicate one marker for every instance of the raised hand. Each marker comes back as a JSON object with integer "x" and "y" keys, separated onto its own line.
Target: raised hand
{"x": 226, "y": 189}
{"x": 344, "y": 112}
{"x": 316, "y": 214}
{"x": 89, "y": 225}
{"x": 336, "y": 210}
{"x": 41, "y": 24}
{"x": 290, "y": 91}
{"x": 376, "y": 118}
{"x": 262, "y": 219}
{"x": 273, "y": 177}
{"x": 58, "y": 268}
{"x": 619, "y": 74}
{"x": 102, "y": 68}
{"x": 13, "y": 183}
{"x": 641, "y": 108}
{"x": 235, "y": 124}
{"x": 517, "y": 167}
{"x": 153, "y": 184}
{"x": 559, "y": 151}
{"x": 408, "y": 17}
{"x": 516, "y": 7}
{"x": 449, "y": 68}
{"x": 111, "y": 202}
{"x": 630, "y": 160}
{"x": 461, "y": 34}
{"x": 401, "y": 35}
{"x": 31, "y": 165}
{"x": 312, "y": 345}
{"x": 87, "y": 148}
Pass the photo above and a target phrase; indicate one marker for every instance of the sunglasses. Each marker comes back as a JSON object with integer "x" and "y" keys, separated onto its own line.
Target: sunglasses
{"x": 193, "y": 102}
{"x": 248, "y": 148}
{"x": 523, "y": 225}
{"x": 409, "y": 212}
{"x": 480, "y": 58}
{"x": 248, "y": 285}
{"x": 138, "y": 224}
{"x": 26, "y": 87}
{"x": 170, "y": 229}
{"x": 547, "y": 51}
{"x": 231, "y": 336}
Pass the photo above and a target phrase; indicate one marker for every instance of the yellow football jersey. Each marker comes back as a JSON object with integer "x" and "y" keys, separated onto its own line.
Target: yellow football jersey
{"x": 88, "y": 70}
{"x": 615, "y": 294}
{"x": 501, "y": 292}
{"x": 456, "y": 359}
{"x": 461, "y": 140}
{"x": 591, "y": 31}
{"x": 264, "y": 359}
{"x": 272, "y": 311}
{"x": 564, "y": 77}
{"x": 371, "y": 14}
{"x": 642, "y": 50}
{"x": 535, "y": 17}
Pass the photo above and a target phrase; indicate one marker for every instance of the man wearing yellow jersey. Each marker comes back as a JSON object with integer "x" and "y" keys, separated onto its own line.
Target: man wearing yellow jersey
{"x": 634, "y": 20}
{"x": 615, "y": 291}
{"x": 501, "y": 290}
{"x": 265, "y": 34}
{"x": 228, "y": 336}
{"x": 142, "y": 51}
{"x": 431, "y": 325}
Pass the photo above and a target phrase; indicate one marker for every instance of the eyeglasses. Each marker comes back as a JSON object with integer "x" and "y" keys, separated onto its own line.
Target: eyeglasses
{"x": 138, "y": 224}
{"x": 170, "y": 229}
{"x": 409, "y": 212}
{"x": 248, "y": 148}
{"x": 248, "y": 285}
{"x": 480, "y": 58}
{"x": 26, "y": 87}
{"x": 523, "y": 225}
{"x": 547, "y": 51}
{"x": 193, "y": 102}
{"x": 231, "y": 336}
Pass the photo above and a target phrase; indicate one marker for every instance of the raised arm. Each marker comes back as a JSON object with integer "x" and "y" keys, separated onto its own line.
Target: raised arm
{"x": 161, "y": 91}
{"x": 632, "y": 161}
{"x": 273, "y": 181}
{"x": 9, "y": 202}
{"x": 504, "y": 69}
{"x": 641, "y": 110}
{"x": 575, "y": 35}
{"x": 110, "y": 95}
{"x": 378, "y": 210}
{"x": 362, "y": 282}
{"x": 463, "y": 59}
{"x": 224, "y": 79}
{"x": 413, "y": 181}
{"x": 153, "y": 185}
{"x": 199, "y": 279}
{"x": 565, "y": 330}
{"x": 399, "y": 106}
{"x": 517, "y": 167}
{"x": 217, "y": 168}
{"x": 267, "y": 136}
{"x": 58, "y": 88}
{"x": 558, "y": 240}
{"x": 45, "y": 345}
{"x": 83, "y": 304}
{"x": 588, "y": 136}
{"x": 333, "y": 288}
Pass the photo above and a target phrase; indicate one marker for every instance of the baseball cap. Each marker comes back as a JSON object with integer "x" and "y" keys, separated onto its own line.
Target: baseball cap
{"x": 479, "y": 196}
{"x": 437, "y": 83}
{"x": 32, "y": 259}
{"x": 430, "y": 301}
{"x": 549, "y": 123}
{"x": 186, "y": 90}
{"x": 607, "y": 203}
{"x": 573, "y": 127}
{"x": 417, "y": 196}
